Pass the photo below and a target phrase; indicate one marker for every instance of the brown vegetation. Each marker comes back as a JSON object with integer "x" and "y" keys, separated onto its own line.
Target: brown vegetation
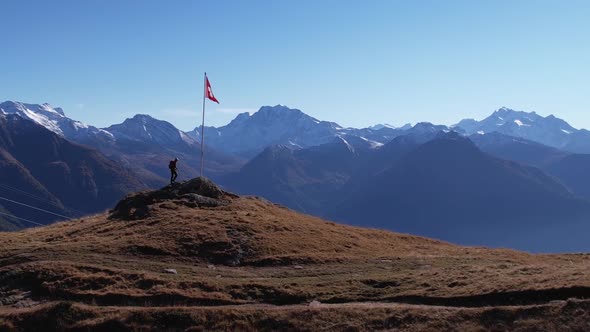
{"x": 249, "y": 264}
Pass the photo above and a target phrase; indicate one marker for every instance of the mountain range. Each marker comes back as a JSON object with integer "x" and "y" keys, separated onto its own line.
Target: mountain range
{"x": 512, "y": 170}
{"x": 247, "y": 135}
{"x": 141, "y": 143}
{"x": 441, "y": 186}
{"x": 449, "y": 189}
{"x": 549, "y": 130}
{"x": 42, "y": 169}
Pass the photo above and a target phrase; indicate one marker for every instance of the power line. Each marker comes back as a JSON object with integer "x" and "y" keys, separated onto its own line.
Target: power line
{"x": 34, "y": 207}
{"x": 23, "y": 219}
{"x": 22, "y": 192}
{"x": 45, "y": 200}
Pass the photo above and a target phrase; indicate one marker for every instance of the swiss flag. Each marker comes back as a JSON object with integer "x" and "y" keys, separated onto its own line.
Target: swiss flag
{"x": 208, "y": 91}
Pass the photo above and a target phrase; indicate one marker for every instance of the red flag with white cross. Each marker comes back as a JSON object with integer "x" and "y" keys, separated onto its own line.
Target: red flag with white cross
{"x": 208, "y": 91}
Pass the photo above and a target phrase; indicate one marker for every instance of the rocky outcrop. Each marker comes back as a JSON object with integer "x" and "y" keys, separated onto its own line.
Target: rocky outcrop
{"x": 195, "y": 193}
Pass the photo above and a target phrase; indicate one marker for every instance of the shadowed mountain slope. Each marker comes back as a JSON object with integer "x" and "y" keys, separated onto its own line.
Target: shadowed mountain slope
{"x": 447, "y": 188}
{"x": 42, "y": 169}
{"x": 569, "y": 168}
{"x": 303, "y": 179}
{"x": 431, "y": 183}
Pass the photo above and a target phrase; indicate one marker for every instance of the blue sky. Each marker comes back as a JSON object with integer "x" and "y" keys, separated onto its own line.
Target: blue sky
{"x": 353, "y": 62}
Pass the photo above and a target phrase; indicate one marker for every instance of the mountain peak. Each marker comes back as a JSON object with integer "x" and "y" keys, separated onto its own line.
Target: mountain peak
{"x": 54, "y": 119}
{"x": 550, "y": 130}
{"x": 382, "y": 126}
{"x": 427, "y": 127}
{"x": 143, "y": 118}
{"x": 452, "y": 144}
{"x": 277, "y": 107}
{"x": 510, "y": 113}
{"x": 145, "y": 128}
{"x": 48, "y": 108}
{"x": 278, "y": 110}
{"x": 16, "y": 107}
{"x": 241, "y": 118}
{"x": 504, "y": 109}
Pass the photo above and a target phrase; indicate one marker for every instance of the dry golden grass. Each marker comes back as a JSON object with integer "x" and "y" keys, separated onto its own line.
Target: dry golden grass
{"x": 254, "y": 253}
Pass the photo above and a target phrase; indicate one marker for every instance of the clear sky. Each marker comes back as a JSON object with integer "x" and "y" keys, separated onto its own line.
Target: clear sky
{"x": 357, "y": 63}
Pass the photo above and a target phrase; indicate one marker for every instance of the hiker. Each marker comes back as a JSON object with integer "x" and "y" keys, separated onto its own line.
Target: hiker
{"x": 173, "y": 170}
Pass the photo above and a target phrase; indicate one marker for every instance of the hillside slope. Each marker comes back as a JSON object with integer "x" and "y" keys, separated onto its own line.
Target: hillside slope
{"x": 42, "y": 169}
{"x": 273, "y": 262}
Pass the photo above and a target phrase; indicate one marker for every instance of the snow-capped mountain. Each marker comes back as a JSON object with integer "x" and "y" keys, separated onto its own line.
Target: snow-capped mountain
{"x": 141, "y": 127}
{"x": 144, "y": 128}
{"x": 66, "y": 178}
{"x": 248, "y": 134}
{"x": 56, "y": 121}
{"x": 142, "y": 143}
{"x": 549, "y": 130}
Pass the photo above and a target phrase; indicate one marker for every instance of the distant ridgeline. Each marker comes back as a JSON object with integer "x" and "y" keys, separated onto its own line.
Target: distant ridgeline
{"x": 513, "y": 179}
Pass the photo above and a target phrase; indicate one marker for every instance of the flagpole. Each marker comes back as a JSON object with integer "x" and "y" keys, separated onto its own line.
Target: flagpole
{"x": 203, "y": 124}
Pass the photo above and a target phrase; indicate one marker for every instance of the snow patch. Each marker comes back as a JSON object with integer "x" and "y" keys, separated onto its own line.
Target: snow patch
{"x": 185, "y": 137}
{"x": 481, "y": 132}
{"x": 350, "y": 148}
{"x": 372, "y": 144}
{"x": 566, "y": 131}
{"x": 108, "y": 133}
{"x": 42, "y": 120}
{"x": 79, "y": 125}
{"x": 294, "y": 144}
{"x": 48, "y": 108}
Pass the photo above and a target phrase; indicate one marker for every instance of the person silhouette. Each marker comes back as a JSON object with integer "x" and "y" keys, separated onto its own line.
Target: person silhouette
{"x": 173, "y": 170}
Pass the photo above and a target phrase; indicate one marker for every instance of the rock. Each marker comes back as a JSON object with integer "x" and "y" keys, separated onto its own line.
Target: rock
{"x": 201, "y": 186}
{"x": 298, "y": 267}
{"x": 198, "y": 192}
{"x": 315, "y": 303}
{"x": 171, "y": 271}
{"x": 201, "y": 200}
{"x": 210, "y": 266}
